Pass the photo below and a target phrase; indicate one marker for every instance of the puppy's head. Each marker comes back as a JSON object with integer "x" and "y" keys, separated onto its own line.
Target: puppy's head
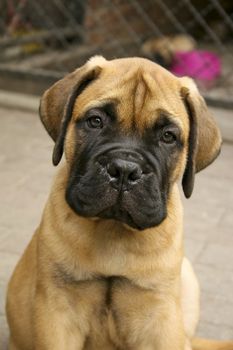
{"x": 129, "y": 130}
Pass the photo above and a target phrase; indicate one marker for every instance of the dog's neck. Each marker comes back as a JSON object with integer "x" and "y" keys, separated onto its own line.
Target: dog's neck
{"x": 110, "y": 246}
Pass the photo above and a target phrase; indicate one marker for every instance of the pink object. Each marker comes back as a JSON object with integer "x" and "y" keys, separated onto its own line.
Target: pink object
{"x": 204, "y": 66}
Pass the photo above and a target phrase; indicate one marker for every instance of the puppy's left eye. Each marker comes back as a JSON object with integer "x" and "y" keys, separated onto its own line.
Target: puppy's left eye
{"x": 168, "y": 137}
{"x": 95, "y": 122}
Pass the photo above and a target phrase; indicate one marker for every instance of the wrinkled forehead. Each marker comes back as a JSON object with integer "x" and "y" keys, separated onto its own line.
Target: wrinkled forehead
{"x": 140, "y": 93}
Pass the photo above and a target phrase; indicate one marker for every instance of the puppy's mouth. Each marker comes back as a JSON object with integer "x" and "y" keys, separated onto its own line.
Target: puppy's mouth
{"x": 128, "y": 211}
{"x": 121, "y": 189}
{"x": 119, "y": 213}
{"x": 132, "y": 208}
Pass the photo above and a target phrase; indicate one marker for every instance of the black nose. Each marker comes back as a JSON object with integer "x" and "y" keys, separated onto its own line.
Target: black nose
{"x": 123, "y": 173}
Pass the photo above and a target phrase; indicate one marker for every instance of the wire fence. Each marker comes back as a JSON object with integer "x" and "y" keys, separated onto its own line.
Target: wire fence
{"x": 41, "y": 41}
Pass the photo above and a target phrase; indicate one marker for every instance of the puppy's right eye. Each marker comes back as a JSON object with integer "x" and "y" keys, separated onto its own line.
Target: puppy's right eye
{"x": 168, "y": 137}
{"x": 95, "y": 122}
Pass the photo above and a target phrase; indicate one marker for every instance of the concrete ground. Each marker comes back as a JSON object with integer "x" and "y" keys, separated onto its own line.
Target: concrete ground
{"x": 25, "y": 177}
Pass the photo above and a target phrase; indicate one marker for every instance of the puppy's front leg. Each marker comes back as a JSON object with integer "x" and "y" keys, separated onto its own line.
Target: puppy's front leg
{"x": 55, "y": 325}
{"x": 169, "y": 337}
{"x": 171, "y": 333}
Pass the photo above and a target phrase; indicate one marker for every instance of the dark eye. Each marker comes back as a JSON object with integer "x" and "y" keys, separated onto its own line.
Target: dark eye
{"x": 95, "y": 122}
{"x": 168, "y": 137}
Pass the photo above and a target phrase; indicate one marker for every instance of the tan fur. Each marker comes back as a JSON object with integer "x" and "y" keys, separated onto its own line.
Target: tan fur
{"x": 58, "y": 294}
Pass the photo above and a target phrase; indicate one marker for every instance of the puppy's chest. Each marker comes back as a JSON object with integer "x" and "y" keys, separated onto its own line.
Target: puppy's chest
{"x": 105, "y": 322}
{"x": 113, "y": 309}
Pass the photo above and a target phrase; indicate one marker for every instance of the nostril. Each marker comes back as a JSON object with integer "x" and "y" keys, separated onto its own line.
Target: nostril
{"x": 124, "y": 171}
{"x": 135, "y": 175}
{"x": 113, "y": 170}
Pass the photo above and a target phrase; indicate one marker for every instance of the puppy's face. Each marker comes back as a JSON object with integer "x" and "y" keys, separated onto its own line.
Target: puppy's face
{"x": 126, "y": 142}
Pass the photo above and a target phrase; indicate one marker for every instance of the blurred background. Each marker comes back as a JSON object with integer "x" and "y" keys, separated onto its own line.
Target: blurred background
{"x": 40, "y": 41}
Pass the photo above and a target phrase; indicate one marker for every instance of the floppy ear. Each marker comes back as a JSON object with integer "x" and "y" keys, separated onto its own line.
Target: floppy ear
{"x": 204, "y": 136}
{"x": 58, "y": 101}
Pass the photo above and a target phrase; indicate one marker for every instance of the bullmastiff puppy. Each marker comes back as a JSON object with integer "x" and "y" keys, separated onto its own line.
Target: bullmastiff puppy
{"x": 105, "y": 270}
